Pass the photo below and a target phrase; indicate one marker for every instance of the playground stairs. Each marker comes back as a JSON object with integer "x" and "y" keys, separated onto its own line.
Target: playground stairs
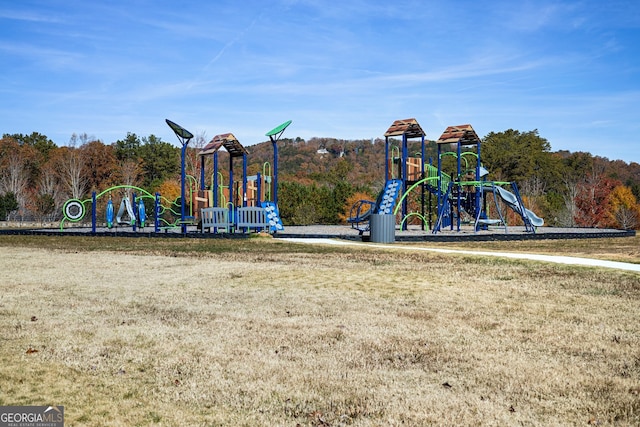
{"x": 362, "y": 210}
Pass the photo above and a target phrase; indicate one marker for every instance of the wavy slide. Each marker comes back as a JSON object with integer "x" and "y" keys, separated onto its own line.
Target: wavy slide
{"x": 512, "y": 201}
{"x": 125, "y": 204}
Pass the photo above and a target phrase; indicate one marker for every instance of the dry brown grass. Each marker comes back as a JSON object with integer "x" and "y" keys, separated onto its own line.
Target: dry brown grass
{"x": 290, "y": 335}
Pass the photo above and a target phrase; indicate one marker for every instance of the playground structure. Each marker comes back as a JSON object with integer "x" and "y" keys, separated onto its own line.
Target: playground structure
{"x": 463, "y": 192}
{"x": 246, "y": 204}
{"x": 132, "y": 211}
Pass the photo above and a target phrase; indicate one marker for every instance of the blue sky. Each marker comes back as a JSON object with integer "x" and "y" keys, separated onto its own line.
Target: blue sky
{"x": 570, "y": 69}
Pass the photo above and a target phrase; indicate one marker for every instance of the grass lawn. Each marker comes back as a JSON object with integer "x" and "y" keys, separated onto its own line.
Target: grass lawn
{"x": 168, "y": 332}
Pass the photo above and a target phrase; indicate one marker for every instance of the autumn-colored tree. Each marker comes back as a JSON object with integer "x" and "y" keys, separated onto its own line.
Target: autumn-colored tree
{"x": 35, "y": 150}
{"x": 42, "y": 205}
{"x": 170, "y": 190}
{"x": 592, "y": 201}
{"x": 100, "y": 168}
{"x": 623, "y": 208}
{"x": 36, "y": 140}
{"x": 350, "y": 202}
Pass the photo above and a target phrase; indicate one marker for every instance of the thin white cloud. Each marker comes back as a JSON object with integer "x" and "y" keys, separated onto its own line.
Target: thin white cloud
{"x": 29, "y": 16}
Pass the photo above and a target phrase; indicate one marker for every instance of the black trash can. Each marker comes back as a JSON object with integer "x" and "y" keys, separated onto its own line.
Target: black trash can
{"x": 383, "y": 228}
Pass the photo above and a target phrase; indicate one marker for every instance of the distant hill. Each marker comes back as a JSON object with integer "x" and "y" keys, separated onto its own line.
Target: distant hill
{"x": 304, "y": 161}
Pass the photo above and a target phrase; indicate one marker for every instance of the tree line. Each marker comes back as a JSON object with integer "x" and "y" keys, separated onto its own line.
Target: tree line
{"x": 320, "y": 178}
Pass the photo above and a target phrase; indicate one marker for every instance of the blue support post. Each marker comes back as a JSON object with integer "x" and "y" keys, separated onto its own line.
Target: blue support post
{"x": 478, "y": 194}
{"x": 386, "y": 157}
{"x": 93, "y": 212}
{"x": 274, "y": 135}
{"x": 458, "y": 201}
{"x": 231, "y": 181}
{"x": 403, "y": 171}
{"x": 439, "y": 186}
{"x": 203, "y": 183}
{"x": 157, "y": 213}
{"x": 134, "y": 208}
{"x": 183, "y": 178}
{"x": 244, "y": 180}
{"x": 215, "y": 179}
{"x": 274, "y": 179}
{"x": 184, "y": 136}
{"x": 258, "y": 189}
{"x": 422, "y": 160}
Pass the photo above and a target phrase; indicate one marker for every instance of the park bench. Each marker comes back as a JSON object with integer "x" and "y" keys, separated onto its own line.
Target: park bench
{"x": 215, "y": 218}
{"x": 252, "y": 218}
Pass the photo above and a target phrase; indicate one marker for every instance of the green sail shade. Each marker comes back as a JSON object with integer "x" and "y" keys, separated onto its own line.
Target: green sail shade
{"x": 279, "y": 129}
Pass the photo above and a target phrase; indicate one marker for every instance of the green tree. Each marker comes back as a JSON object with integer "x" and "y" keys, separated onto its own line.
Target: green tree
{"x": 516, "y": 156}
{"x": 128, "y": 148}
{"x": 160, "y": 161}
{"x": 36, "y": 140}
{"x": 8, "y": 204}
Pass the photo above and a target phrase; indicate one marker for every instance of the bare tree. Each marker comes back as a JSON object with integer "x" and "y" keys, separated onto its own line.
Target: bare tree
{"x": 129, "y": 171}
{"x": 192, "y": 160}
{"x": 627, "y": 217}
{"x": 70, "y": 164}
{"x": 49, "y": 185}
{"x": 14, "y": 177}
{"x": 569, "y": 197}
{"x": 534, "y": 186}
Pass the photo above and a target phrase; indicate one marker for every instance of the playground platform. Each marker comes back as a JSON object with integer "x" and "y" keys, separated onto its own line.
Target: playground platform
{"x": 412, "y": 234}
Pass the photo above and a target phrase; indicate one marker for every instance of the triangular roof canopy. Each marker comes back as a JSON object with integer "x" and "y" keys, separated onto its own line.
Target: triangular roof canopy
{"x": 408, "y": 127}
{"x": 463, "y": 134}
{"x": 226, "y": 140}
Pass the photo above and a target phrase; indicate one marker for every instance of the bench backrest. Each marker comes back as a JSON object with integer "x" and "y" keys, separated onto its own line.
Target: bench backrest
{"x": 214, "y": 217}
{"x": 252, "y": 217}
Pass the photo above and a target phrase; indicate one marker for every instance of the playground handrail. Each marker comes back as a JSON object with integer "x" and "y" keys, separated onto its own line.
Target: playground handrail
{"x": 193, "y": 183}
{"x": 266, "y": 172}
{"x": 394, "y": 149}
{"x": 432, "y": 172}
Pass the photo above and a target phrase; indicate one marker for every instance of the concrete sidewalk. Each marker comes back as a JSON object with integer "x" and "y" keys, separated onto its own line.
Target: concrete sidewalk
{"x": 587, "y": 262}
